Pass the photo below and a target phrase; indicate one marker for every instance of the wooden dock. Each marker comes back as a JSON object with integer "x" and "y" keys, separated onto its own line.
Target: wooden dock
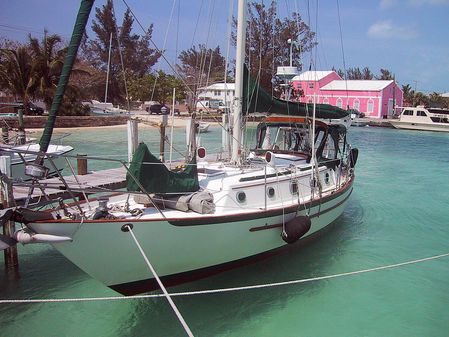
{"x": 111, "y": 179}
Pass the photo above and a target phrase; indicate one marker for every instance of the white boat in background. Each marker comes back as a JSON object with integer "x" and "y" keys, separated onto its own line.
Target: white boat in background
{"x": 103, "y": 108}
{"x": 203, "y": 127}
{"x": 422, "y": 118}
{"x": 22, "y": 155}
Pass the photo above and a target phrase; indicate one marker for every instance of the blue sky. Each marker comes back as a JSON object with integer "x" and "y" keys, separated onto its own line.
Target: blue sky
{"x": 408, "y": 37}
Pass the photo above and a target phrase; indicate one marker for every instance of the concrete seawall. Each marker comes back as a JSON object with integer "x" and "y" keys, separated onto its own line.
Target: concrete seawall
{"x": 38, "y": 122}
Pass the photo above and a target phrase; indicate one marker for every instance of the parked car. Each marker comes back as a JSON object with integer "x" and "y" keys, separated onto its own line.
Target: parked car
{"x": 157, "y": 109}
{"x": 33, "y": 109}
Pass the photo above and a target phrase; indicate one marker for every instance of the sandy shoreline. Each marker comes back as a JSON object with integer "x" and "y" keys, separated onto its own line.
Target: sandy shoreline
{"x": 145, "y": 121}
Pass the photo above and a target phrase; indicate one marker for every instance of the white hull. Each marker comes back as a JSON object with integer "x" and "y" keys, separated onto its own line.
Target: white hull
{"x": 180, "y": 245}
{"x": 423, "y": 119}
{"x": 440, "y": 127}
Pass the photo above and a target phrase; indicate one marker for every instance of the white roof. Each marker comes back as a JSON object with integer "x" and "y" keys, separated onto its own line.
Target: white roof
{"x": 220, "y": 86}
{"x": 312, "y": 76}
{"x": 368, "y": 85}
{"x": 446, "y": 94}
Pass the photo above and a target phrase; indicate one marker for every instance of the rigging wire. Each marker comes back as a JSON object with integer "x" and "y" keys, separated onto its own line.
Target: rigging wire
{"x": 343, "y": 54}
{"x": 121, "y": 57}
{"x": 163, "y": 46}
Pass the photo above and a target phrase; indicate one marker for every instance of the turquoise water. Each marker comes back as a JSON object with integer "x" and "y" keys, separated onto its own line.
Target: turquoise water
{"x": 399, "y": 211}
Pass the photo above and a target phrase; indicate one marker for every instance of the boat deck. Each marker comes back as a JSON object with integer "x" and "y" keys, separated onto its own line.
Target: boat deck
{"x": 104, "y": 179}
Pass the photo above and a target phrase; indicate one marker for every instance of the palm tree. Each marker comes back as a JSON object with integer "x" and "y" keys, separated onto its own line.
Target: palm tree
{"x": 48, "y": 62}
{"x": 408, "y": 93}
{"x": 16, "y": 76}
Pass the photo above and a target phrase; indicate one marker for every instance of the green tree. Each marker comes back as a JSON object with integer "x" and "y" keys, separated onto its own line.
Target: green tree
{"x": 354, "y": 74}
{"x": 156, "y": 87}
{"x": 385, "y": 74}
{"x": 204, "y": 65}
{"x": 48, "y": 58}
{"x": 200, "y": 66}
{"x": 138, "y": 57}
{"x": 367, "y": 74}
{"x": 267, "y": 36}
{"x": 420, "y": 99}
{"x": 16, "y": 76}
{"x": 408, "y": 94}
{"x": 436, "y": 100}
{"x": 163, "y": 91}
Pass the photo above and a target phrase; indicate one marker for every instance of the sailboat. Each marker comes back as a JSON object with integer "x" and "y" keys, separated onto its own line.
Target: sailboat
{"x": 212, "y": 215}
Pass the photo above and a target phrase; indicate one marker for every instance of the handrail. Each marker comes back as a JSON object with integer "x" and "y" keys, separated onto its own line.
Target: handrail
{"x": 52, "y": 157}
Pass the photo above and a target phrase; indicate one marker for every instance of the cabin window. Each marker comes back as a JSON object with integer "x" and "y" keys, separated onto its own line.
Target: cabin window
{"x": 241, "y": 197}
{"x": 421, "y": 113}
{"x": 339, "y": 102}
{"x": 370, "y": 106}
{"x": 329, "y": 150}
{"x": 327, "y": 178}
{"x": 356, "y": 104}
{"x": 270, "y": 192}
{"x": 408, "y": 112}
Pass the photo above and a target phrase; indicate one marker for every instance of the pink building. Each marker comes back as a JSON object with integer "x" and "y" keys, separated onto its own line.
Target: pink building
{"x": 375, "y": 98}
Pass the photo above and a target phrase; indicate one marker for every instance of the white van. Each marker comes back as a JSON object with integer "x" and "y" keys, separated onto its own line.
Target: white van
{"x": 209, "y": 105}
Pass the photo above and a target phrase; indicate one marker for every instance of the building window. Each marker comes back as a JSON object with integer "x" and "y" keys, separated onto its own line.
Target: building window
{"x": 311, "y": 85}
{"x": 310, "y": 101}
{"x": 356, "y": 104}
{"x": 370, "y": 106}
{"x": 339, "y": 102}
{"x": 216, "y": 93}
{"x": 326, "y": 100}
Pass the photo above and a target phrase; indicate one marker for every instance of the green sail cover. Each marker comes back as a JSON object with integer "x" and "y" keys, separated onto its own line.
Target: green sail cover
{"x": 155, "y": 177}
{"x": 256, "y": 99}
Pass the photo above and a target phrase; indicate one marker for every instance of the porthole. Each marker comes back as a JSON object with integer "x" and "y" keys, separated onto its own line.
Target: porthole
{"x": 241, "y": 197}
{"x": 327, "y": 178}
{"x": 270, "y": 192}
{"x": 294, "y": 187}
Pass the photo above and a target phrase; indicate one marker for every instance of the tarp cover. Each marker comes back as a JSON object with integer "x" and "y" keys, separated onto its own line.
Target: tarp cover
{"x": 256, "y": 99}
{"x": 155, "y": 177}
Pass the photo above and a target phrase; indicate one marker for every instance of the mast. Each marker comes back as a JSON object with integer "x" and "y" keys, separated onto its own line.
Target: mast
{"x": 78, "y": 31}
{"x": 107, "y": 73}
{"x": 238, "y": 99}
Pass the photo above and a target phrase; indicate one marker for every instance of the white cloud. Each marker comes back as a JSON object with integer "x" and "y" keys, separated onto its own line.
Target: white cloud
{"x": 387, "y": 30}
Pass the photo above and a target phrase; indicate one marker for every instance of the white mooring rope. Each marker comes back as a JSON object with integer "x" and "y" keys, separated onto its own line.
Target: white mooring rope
{"x": 223, "y": 290}
{"x": 166, "y": 294}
